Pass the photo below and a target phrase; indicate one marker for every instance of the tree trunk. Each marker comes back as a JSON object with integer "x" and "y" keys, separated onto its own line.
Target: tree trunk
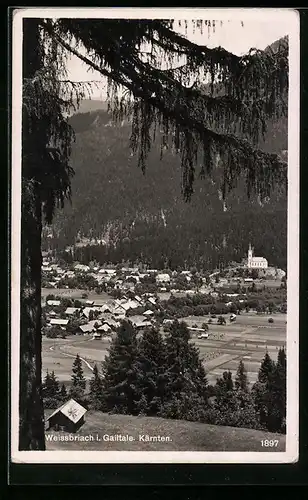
{"x": 31, "y": 412}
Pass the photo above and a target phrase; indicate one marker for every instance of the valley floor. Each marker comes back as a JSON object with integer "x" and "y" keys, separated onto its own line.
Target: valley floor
{"x": 247, "y": 339}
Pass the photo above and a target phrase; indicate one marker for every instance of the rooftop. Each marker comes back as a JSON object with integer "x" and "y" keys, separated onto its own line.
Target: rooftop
{"x": 72, "y": 410}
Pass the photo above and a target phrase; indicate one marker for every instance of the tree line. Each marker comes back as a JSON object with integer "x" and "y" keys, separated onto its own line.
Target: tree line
{"x": 164, "y": 376}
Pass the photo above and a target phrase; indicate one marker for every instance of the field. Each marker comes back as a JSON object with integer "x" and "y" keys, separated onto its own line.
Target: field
{"x": 75, "y": 294}
{"x": 248, "y": 339}
{"x": 182, "y": 435}
{"x": 59, "y": 354}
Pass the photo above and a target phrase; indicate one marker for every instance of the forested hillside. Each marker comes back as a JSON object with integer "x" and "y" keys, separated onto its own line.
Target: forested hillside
{"x": 143, "y": 217}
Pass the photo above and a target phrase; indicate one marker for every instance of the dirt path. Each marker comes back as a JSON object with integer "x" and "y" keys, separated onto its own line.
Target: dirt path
{"x": 63, "y": 350}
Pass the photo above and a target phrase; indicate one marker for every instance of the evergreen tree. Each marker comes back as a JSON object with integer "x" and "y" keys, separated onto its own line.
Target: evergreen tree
{"x": 266, "y": 369}
{"x": 225, "y": 401}
{"x": 120, "y": 372}
{"x": 233, "y": 406}
{"x": 50, "y": 390}
{"x": 96, "y": 390}
{"x": 241, "y": 381}
{"x": 151, "y": 372}
{"x": 224, "y": 384}
{"x": 78, "y": 385}
{"x": 186, "y": 383}
{"x": 46, "y": 385}
{"x": 269, "y": 393}
{"x": 50, "y": 385}
{"x": 63, "y": 393}
{"x": 277, "y": 395}
{"x": 221, "y": 320}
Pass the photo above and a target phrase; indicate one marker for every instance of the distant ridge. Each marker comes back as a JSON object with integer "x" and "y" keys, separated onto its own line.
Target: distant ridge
{"x": 90, "y": 105}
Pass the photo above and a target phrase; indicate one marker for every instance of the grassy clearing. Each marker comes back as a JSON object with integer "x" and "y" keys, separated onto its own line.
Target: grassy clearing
{"x": 182, "y": 435}
{"x": 75, "y": 293}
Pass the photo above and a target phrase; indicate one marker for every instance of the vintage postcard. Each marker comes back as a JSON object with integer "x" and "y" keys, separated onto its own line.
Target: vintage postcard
{"x": 155, "y": 235}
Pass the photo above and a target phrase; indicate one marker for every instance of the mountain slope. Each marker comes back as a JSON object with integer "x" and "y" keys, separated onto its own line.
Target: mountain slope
{"x": 144, "y": 216}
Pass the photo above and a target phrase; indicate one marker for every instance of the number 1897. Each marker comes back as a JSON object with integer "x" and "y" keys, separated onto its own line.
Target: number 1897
{"x": 269, "y": 443}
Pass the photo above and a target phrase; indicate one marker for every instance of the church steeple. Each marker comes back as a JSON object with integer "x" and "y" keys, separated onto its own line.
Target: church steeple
{"x": 249, "y": 254}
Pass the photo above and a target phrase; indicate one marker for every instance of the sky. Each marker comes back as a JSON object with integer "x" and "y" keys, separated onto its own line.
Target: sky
{"x": 231, "y": 35}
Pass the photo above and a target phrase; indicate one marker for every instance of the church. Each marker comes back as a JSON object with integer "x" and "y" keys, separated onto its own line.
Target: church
{"x": 255, "y": 262}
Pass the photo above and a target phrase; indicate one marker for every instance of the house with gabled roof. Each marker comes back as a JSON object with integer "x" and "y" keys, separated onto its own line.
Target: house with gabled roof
{"x": 139, "y": 321}
{"x": 86, "y": 311}
{"x": 58, "y": 322}
{"x": 163, "y": 278}
{"x": 112, "y": 323}
{"x": 90, "y": 326}
{"x": 70, "y": 311}
{"x": 53, "y": 303}
{"x": 69, "y": 417}
{"x": 148, "y": 313}
{"x": 104, "y": 328}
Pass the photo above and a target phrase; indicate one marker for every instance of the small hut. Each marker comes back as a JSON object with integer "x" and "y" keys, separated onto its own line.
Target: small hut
{"x": 69, "y": 417}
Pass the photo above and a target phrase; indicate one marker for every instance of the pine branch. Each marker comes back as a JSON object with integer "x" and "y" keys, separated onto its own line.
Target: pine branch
{"x": 186, "y": 108}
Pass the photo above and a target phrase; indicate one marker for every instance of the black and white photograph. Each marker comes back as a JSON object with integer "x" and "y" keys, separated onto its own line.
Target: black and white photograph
{"x": 154, "y": 235}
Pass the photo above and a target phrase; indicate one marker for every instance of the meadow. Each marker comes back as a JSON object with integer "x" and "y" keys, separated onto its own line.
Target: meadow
{"x": 182, "y": 435}
{"x": 247, "y": 339}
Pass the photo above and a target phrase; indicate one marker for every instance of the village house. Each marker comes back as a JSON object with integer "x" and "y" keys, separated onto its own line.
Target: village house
{"x": 119, "y": 312}
{"x": 168, "y": 321}
{"x": 90, "y": 326}
{"x": 53, "y": 303}
{"x": 148, "y": 313}
{"x": 69, "y": 417}
{"x": 70, "y": 311}
{"x": 97, "y": 335}
{"x": 52, "y": 284}
{"x": 162, "y": 278}
{"x": 112, "y": 323}
{"x": 46, "y": 267}
{"x": 104, "y": 328}
{"x": 87, "y": 310}
{"x": 152, "y": 301}
{"x": 107, "y": 308}
{"x": 59, "y": 322}
{"x": 140, "y": 322}
{"x": 138, "y": 299}
{"x": 70, "y": 274}
{"x": 81, "y": 268}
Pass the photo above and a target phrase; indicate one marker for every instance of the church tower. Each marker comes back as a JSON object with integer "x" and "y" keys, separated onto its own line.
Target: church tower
{"x": 249, "y": 261}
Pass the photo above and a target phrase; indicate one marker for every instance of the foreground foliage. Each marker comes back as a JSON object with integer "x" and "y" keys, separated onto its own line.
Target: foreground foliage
{"x": 164, "y": 377}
